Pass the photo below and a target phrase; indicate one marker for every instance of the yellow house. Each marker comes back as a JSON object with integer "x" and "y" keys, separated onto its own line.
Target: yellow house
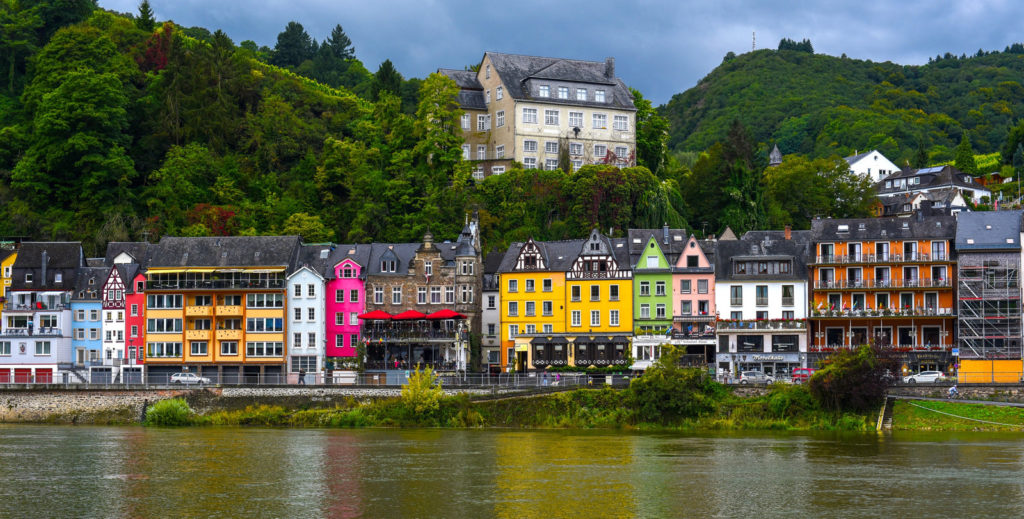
{"x": 566, "y": 303}
{"x": 7, "y": 258}
{"x": 217, "y": 307}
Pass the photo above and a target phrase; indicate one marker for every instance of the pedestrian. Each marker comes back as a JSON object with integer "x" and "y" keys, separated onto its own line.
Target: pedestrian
{"x": 302, "y": 377}
{"x": 545, "y": 381}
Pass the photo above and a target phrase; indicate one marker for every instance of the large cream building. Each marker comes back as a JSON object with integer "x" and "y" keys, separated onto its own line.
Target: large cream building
{"x": 544, "y": 113}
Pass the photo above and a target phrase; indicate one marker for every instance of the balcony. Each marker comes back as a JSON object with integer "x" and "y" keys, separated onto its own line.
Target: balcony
{"x": 198, "y": 311}
{"x": 694, "y": 318}
{"x": 372, "y": 335}
{"x": 880, "y": 284}
{"x": 228, "y": 310}
{"x": 229, "y": 335}
{"x": 887, "y": 312}
{"x": 914, "y": 257}
{"x": 37, "y": 332}
{"x": 38, "y": 306}
{"x": 197, "y": 335}
{"x": 899, "y": 348}
{"x": 217, "y": 284}
{"x": 764, "y": 325}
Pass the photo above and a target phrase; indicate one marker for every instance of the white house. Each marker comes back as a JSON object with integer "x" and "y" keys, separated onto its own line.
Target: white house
{"x": 872, "y": 164}
{"x": 306, "y": 325}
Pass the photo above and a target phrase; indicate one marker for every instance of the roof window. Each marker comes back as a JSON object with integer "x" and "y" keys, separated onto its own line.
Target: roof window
{"x": 844, "y": 228}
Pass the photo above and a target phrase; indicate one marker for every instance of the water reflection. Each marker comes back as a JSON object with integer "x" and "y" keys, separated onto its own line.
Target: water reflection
{"x": 136, "y": 472}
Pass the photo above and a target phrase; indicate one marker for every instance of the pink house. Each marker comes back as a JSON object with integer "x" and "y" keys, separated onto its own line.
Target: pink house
{"x": 346, "y": 299}
{"x": 693, "y": 288}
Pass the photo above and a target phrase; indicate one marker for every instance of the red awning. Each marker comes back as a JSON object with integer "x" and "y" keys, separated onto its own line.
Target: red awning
{"x": 376, "y": 315}
{"x": 446, "y": 314}
{"x": 409, "y": 315}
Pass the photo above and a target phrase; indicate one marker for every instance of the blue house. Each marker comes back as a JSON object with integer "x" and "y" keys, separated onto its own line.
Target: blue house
{"x": 86, "y": 306}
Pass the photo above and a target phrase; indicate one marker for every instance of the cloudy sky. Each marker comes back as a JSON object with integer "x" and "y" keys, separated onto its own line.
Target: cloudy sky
{"x": 661, "y": 47}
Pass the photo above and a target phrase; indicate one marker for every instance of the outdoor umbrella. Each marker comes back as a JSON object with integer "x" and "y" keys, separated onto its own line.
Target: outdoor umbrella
{"x": 446, "y": 314}
{"x": 376, "y": 315}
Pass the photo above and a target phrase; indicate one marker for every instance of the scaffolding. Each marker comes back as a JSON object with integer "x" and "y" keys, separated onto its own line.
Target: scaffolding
{"x": 989, "y": 306}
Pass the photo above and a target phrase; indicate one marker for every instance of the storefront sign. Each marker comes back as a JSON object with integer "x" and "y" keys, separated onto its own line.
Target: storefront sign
{"x": 768, "y": 358}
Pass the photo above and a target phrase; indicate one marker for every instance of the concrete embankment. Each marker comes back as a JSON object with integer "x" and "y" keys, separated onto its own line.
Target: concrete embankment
{"x": 60, "y": 404}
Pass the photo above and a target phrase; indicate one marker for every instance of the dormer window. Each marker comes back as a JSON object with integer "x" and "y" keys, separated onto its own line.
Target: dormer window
{"x": 599, "y": 96}
{"x": 58, "y": 277}
{"x": 595, "y": 246}
{"x": 543, "y": 91}
{"x": 28, "y": 277}
{"x": 563, "y": 92}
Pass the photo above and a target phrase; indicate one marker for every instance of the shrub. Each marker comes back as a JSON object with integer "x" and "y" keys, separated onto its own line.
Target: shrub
{"x": 423, "y": 394}
{"x": 790, "y": 401}
{"x": 667, "y": 393}
{"x": 171, "y": 412}
{"x": 852, "y": 380}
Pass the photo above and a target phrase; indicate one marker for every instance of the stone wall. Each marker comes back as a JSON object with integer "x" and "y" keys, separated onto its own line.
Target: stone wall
{"x": 996, "y": 392}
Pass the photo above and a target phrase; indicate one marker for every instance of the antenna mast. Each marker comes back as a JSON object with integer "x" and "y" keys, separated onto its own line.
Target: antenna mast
{"x": 753, "y": 41}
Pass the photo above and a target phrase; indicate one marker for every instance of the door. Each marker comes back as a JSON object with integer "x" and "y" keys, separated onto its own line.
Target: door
{"x": 22, "y": 375}
{"x": 44, "y": 376}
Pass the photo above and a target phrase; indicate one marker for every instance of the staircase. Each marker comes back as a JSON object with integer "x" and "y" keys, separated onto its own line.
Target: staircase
{"x": 78, "y": 374}
{"x": 885, "y": 415}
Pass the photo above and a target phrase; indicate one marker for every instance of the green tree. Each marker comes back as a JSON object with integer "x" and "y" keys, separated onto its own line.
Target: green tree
{"x": 340, "y": 44}
{"x": 145, "y": 21}
{"x": 920, "y": 156}
{"x": 387, "y": 79}
{"x": 294, "y": 46}
{"x": 1018, "y": 161}
{"x": 853, "y": 380}
{"x": 651, "y": 135}
{"x": 19, "y": 27}
{"x": 801, "y": 189}
{"x": 423, "y": 394}
{"x": 667, "y": 393}
{"x": 309, "y": 227}
{"x": 964, "y": 156}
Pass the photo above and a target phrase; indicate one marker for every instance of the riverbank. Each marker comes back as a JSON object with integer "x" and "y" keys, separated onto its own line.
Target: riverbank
{"x": 779, "y": 408}
{"x": 929, "y": 415}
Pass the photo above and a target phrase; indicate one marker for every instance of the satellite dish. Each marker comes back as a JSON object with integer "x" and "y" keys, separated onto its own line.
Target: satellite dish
{"x": 576, "y": 130}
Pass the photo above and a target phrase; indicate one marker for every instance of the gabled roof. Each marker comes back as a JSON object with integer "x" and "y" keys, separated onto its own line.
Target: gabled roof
{"x": 465, "y": 79}
{"x": 930, "y": 178}
{"x": 135, "y": 249}
{"x": 128, "y": 271}
{"x": 492, "y": 262}
{"x": 225, "y": 251}
{"x": 315, "y": 257}
{"x": 853, "y": 159}
{"x": 989, "y": 230}
{"x": 920, "y": 226}
{"x": 402, "y": 253}
{"x": 4, "y": 253}
{"x": 770, "y": 245}
{"x": 358, "y": 253}
{"x": 558, "y": 255}
{"x": 62, "y": 258}
{"x": 89, "y": 291}
{"x": 516, "y": 69}
{"x": 637, "y": 241}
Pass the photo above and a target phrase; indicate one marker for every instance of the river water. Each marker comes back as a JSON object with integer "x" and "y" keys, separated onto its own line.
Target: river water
{"x": 62, "y": 471}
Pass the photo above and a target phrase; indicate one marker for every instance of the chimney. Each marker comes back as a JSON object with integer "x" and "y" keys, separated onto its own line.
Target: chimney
{"x": 788, "y": 232}
{"x": 44, "y": 258}
{"x": 664, "y": 233}
{"x": 609, "y": 68}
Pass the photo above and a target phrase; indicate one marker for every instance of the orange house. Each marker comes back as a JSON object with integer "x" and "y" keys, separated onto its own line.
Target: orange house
{"x": 885, "y": 281}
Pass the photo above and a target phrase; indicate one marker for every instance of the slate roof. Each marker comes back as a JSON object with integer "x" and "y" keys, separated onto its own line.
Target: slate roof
{"x": 360, "y": 253}
{"x": 558, "y": 255}
{"x": 989, "y": 230}
{"x": 225, "y": 251}
{"x": 4, "y": 253}
{"x": 89, "y": 292}
{"x": 403, "y": 254}
{"x": 471, "y": 92}
{"x": 919, "y": 227}
{"x": 671, "y": 250}
{"x": 313, "y": 256}
{"x": 62, "y": 257}
{"x": 931, "y": 178}
{"x": 136, "y": 249}
{"x": 853, "y": 159}
{"x": 128, "y": 271}
{"x": 491, "y": 263}
{"x": 770, "y": 245}
{"x": 516, "y": 69}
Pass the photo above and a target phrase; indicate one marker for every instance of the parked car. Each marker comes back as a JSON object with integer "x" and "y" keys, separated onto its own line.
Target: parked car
{"x": 801, "y": 375}
{"x": 188, "y": 378}
{"x": 924, "y": 377}
{"x": 755, "y": 377}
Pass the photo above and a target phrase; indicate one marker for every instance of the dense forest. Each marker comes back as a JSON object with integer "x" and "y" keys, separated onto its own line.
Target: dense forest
{"x": 821, "y": 106}
{"x": 117, "y": 126}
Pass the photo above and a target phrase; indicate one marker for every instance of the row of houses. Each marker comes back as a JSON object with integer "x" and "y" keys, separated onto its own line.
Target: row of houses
{"x": 941, "y": 291}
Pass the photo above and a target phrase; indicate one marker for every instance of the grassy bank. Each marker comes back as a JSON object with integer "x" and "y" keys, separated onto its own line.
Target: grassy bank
{"x": 909, "y": 415}
{"x": 783, "y": 408}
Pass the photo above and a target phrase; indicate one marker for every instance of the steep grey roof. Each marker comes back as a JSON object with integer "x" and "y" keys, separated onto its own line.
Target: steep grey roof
{"x": 6, "y": 252}
{"x": 770, "y": 245}
{"x": 62, "y": 257}
{"x": 95, "y": 262}
{"x": 89, "y": 291}
{"x": 989, "y": 230}
{"x": 136, "y": 249}
{"x": 128, "y": 271}
{"x": 360, "y": 253}
{"x": 854, "y": 158}
{"x": 558, "y": 255}
{"x": 463, "y": 78}
{"x": 402, "y": 253}
{"x": 225, "y": 251}
{"x": 775, "y": 156}
{"x": 676, "y": 243}
{"x": 317, "y": 257}
{"x": 516, "y": 69}
{"x": 884, "y": 228}
{"x": 931, "y": 178}
{"x": 492, "y": 262}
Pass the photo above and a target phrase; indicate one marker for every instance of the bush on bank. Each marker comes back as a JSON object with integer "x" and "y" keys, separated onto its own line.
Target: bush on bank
{"x": 171, "y": 412}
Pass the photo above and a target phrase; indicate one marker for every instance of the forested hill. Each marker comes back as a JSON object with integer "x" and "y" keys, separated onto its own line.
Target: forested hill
{"x": 822, "y": 105}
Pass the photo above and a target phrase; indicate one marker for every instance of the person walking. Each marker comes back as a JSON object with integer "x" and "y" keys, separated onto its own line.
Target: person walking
{"x": 302, "y": 377}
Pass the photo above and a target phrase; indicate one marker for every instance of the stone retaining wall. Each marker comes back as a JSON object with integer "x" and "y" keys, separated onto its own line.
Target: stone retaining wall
{"x": 998, "y": 392}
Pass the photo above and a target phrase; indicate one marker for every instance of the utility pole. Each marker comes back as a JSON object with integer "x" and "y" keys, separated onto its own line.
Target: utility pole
{"x": 753, "y": 42}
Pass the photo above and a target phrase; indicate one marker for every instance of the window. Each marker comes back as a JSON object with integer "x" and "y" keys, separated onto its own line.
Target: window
{"x": 467, "y": 294}
{"x": 529, "y": 285}
{"x": 645, "y": 311}
{"x": 466, "y": 119}
{"x": 563, "y": 92}
{"x": 501, "y": 118}
{"x": 761, "y": 315}
{"x": 467, "y": 268}
{"x": 599, "y": 96}
{"x": 311, "y": 290}
{"x": 513, "y": 285}
{"x": 162, "y": 301}
{"x": 659, "y": 288}
{"x": 546, "y": 307}
{"x": 576, "y": 164}
{"x": 339, "y": 318}
{"x": 396, "y": 295}
{"x": 135, "y": 331}
{"x": 702, "y": 286}
{"x": 684, "y": 286}
{"x": 465, "y": 152}
{"x": 5, "y": 348}
{"x": 622, "y": 152}
{"x": 48, "y": 321}
{"x": 232, "y": 300}
{"x": 499, "y": 152}
{"x": 613, "y": 293}
{"x": 311, "y": 314}
{"x": 298, "y": 314}
{"x": 551, "y": 117}
{"x": 163, "y": 325}
{"x": 264, "y": 349}
{"x": 491, "y": 329}
{"x": 645, "y": 288}
{"x": 297, "y": 292}
{"x": 135, "y": 310}
{"x": 265, "y": 301}
{"x": 551, "y": 164}
{"x": 736, "y": 295}
{"x": 202, "y": 324}
{"x": 600, "y": 121}
{"x": 94, "y": 334}
{"x": 660, "y": 311}
{"x": 551, "y": 147}
{"x": 198, "y": 347}
{"x": 788, "y": 314}
{"x": 264, "y": 324}
{"x": 421, "y": 295}
{"x": 549, "y": 329}
{"x": 297, "y": 340}
{"x": 80, "y": 315}
{"x": 529, "y": 163}
{"x": 787, "y": 295}
{"x": 513, "y": 308}
{"x": 492, "y": 302}
{"x": 736, "y": 316}
{"x": 595, "y": 318}
{"x": 530, "y": 115}
{"x": 481, "y": 152}
{"x": 94, "y": 315}
{"x": 546, "y": 285}
{"x": 761, "y": 295}
{"x": 685, "y": 308}
{"x": 339, "y": 296}
{"x": 531, "y": 309}
{"x": 498, "y": 93}
{"x": 544, "y": 91}
{"x": 600, "y": 150}
{"x": 620, "y": 123}
{"x": 449, "y": 295}
{"x": 311, "y": 338}
{"x": 482, "y": 123}
{"x": 378, "y": 295}
{"x": 595, "y": 293}
{"x": 575, "y": 292}
{"x": 530, "y": 146}
{"x": 353, "y": 319}
{"x": 576, "y": 119}
{"x": 581, "y": 94}
{"x": 576, "y": 318}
